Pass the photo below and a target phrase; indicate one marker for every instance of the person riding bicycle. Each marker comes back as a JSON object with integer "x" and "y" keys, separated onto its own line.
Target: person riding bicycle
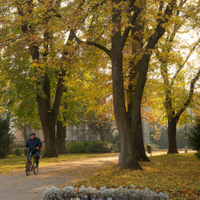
{"x": 34, "y": 144}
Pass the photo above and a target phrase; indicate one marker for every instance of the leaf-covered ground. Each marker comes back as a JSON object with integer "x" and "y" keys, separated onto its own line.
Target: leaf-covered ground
{"x": 178, "y": 174}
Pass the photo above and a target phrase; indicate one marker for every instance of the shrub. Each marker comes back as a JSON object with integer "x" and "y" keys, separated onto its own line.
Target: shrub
{"x": 194, "y": 137}
{"x": 116, "y": 146}
{"x": 89, "y": 147}
{"x": 103, "y": 193}
{"x": 18, "y": 151}
{"x": 5, "y": 138}
{"x": 77, "y": 147}
{"x": 99, "y": 147}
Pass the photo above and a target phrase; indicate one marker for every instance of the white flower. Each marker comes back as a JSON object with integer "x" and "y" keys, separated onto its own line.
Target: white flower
{"x": 54, "y": 193}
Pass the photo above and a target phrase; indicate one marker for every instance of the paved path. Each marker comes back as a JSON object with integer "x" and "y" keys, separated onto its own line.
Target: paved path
{"x": 17, "y": 186}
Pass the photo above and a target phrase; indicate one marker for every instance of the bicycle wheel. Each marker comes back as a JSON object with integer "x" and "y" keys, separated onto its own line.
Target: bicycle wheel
{"x": 28, "y": 168}
{"x": 35, "y": 168}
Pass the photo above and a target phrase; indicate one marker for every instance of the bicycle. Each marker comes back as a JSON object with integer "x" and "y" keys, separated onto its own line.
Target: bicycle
{"x": 31, "y": 166}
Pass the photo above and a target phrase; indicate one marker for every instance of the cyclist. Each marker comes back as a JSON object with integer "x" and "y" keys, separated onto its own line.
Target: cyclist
{"x": 34, "y": 144}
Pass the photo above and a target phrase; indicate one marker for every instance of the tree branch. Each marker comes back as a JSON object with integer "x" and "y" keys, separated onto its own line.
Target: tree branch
{"x": 182, "y": 65}
{"x": 190, "y": 96}
{"x": 98, "y": 4}
{"x": 24, "y": 26}
{"x": 127, "y": 29}
{"x": 159, "y": 31}
{"x": 107, "y": 51}
{"x": 176, "y": 26}
{"x": 160, "y": 7}
{"x": 59, "y": 92}
{"x": 60, "y": 84}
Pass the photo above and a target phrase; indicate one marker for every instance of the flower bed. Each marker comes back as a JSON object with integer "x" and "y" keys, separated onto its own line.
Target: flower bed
{"x": 120, "y": 193}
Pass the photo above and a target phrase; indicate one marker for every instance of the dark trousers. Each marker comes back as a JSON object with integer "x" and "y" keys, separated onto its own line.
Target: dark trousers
{"x": 37, "y": 157}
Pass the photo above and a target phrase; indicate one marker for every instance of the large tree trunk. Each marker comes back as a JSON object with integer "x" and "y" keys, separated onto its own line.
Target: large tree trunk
{"x": 172, "y": 136}
{"x": 61, "y": 135}
{"x": 25, "y": 134}
{"x": 127, "y": 142}
{"x": 134, "y": 71}
{"x": 127, "y": 145}
{"x": 139, "y": 143}
{"x": 141, "y": 153}
{"x": 48, "y": 127}
{"x": 48, "y": 120}
{"x": 135, "y": 110}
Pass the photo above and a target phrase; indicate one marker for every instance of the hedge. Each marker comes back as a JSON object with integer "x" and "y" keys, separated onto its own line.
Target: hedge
{"x": 89, "y": 147}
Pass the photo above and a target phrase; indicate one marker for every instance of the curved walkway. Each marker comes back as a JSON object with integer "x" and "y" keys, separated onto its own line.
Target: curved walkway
{"x": 17, "y": 186}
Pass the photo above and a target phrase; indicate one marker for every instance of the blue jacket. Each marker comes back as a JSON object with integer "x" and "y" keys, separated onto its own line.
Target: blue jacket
{"x": 32, "y": 144}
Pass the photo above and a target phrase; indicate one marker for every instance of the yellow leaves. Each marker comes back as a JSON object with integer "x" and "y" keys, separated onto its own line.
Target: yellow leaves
{"x": 157, "y": 134}
{"x": 34, "y": 65}
{"x": 169, "y": 173}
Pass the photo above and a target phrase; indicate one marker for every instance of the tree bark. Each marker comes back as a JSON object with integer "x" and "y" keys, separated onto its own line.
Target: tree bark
{"x": 141, "y": 153}
{"x": 172, "y": 136}
{"x": 50, "y": 141}
{"x": 134, "y": 70}
{"x": 127, "y": 144}
{"x": 25, "y": 133}
{"x": 61, "y": 135}
{"x": 48, "y": 122}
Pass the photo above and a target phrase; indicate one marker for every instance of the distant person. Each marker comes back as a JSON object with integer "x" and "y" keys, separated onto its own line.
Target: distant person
{"x": 34, "y": 144}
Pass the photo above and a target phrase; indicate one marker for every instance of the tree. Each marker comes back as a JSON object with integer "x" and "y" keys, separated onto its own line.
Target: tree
{"x": 63, "y": 59}
{"x": 177, "y": 98}
{"x": 34, "y": 50}
{"x": 128, "y": 125}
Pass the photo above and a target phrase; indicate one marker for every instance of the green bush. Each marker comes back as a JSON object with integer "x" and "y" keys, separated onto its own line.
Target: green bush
{"x": 194, "y": 137}
{"x": 116, "y": 146}
{"x": 89, "y": 147}
{"x": 99, "y": 147}
{"x": 18, "y": 151}
{"x": 77, "y": 147}
{"x": 5, "y": 138}
{"x": 198, "y": 155}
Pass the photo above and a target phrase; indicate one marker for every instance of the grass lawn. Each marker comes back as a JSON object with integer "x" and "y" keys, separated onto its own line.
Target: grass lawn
{"x": 13, "y": 162}
{"x": 178, "y": 174}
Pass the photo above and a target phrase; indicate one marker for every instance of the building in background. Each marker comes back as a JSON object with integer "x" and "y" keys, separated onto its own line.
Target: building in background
{"x": 73, "y": 133}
